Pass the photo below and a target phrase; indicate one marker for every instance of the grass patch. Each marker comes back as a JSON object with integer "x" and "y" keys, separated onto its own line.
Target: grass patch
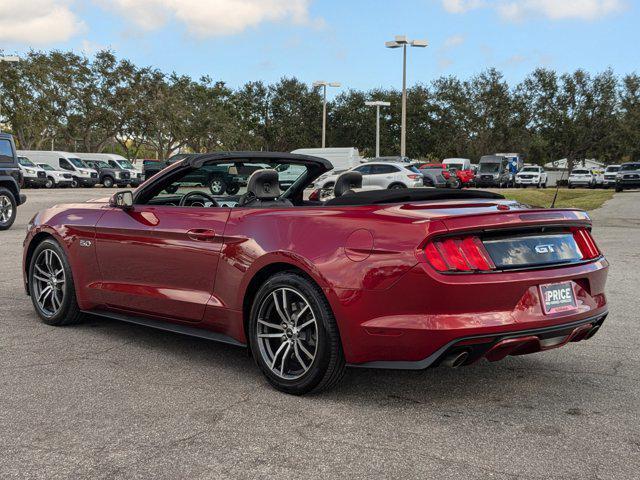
{"x": 582, "y": 198}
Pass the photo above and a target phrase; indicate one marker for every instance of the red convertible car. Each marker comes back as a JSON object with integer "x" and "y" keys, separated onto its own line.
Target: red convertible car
{"x": 406, "y": 279}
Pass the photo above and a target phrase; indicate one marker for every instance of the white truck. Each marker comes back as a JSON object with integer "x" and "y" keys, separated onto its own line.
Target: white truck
{"x": 118, "y": 162}
{"x": 342, "y": 159}
{"x": 81, "y": 175}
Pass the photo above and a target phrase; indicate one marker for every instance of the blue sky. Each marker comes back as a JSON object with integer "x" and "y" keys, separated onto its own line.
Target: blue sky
{"x": 241, "y": 40}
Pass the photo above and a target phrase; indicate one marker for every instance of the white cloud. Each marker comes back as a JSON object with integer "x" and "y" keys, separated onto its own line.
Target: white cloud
{"x": 209, "y": 18}
{"x": 461, "y": 6}
{"x": 552, "y": 9}
{"x": 38, "y": 22}
{"x": 453, "y": 41}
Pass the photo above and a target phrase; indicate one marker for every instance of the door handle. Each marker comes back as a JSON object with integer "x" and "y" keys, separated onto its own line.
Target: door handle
{"x": 201, "y": 234}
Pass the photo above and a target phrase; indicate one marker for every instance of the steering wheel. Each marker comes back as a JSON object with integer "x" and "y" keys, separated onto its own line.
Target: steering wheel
{"x": 206, "y": 196}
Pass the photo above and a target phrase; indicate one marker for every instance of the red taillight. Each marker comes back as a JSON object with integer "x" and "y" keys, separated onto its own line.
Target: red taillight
{"x": 414, "y": 177}
{"x": 458, "y": 255}
{"x": 315, "y": 195}
{"x": 586, "y": 244}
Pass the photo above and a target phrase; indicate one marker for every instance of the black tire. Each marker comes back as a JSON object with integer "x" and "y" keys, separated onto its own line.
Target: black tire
{"x": 544, "y": 185}
{"x": 171, "y": 189}
{"x": 217, "y": 186}
{"x": 571, "y": 187}
{"x": 619, "y": 189}
{"x": 8, "y": 208}
{"x": 107, "y": 182}
{"x": 74, "y": 183}
{"x": 233, "y": 189}
{"x": 328, "y": 364}
{"x": 68, "y": 312}
{"x": 396, "y": 186}
{"x": 50, "y": 183}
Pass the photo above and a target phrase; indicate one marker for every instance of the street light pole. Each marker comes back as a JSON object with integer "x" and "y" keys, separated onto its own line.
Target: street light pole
{"x": 402, "y": 41}
{"x": 8, "y": 59}
{"x": 324, "y": 85}
{"x": 377, "y": 104}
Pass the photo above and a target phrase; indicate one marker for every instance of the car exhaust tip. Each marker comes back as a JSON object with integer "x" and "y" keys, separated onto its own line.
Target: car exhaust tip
{"x": 455, "y": 360}
{"x": 591, "y": 332}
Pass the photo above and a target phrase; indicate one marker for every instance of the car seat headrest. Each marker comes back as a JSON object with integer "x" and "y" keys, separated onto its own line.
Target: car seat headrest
{"x": 346, "y": 182}
{"x": 263, "y": 184}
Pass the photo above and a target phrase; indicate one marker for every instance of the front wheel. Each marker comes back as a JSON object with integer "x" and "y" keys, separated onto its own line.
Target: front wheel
{"x": 8, "y": 209}
{"x": 75, "y": 183}
{"x": 49, "y": 183}
{"x": 51, "y": 285}
{"x": 293, "y": 335}
{"x": 107, "y": 182}
{"x": 217, "y": 186}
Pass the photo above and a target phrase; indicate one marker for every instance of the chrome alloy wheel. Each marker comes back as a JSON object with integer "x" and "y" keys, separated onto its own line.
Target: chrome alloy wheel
{"x": 47, "y": 282}
{"x": 6, "y": 209}
{"x": 287, "y": 333}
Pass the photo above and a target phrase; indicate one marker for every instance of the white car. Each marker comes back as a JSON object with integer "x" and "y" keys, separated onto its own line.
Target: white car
{"x": 56, "y": 178}
{"x": 32, "y": 174}
{"x": 582, "y": 177}
{"x": 382, "y": 175}
{"x": 531, "y": 175}
{"x": 610, "y": 176}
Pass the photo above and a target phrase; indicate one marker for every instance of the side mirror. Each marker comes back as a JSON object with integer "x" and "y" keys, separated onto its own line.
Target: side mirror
{"x": 123, "y": 200}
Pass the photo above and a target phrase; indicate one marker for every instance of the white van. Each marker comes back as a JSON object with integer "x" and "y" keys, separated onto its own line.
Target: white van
{"x": 82, "y": 176}
{"x": 33, "y": 175}
{"x": 341, "y": 158}
{"x": 116, "y": 161}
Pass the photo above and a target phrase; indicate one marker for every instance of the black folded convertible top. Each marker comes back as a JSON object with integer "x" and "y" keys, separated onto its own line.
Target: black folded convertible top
{"x": 373, "y": 197}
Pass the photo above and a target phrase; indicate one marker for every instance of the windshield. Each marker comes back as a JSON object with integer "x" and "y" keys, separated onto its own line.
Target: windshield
{"x": 77, "y": 162}
{"x": 100, "y": 163}
{"x": 530, "y": 169}
{"x": 25, "y": 162}
{"x": 630, "y": 167}
{"x": 612, "y": 169}
{"x": 46, "y": 167}
{"x": 126, "y": 164}
{"x": 490, "y": 167}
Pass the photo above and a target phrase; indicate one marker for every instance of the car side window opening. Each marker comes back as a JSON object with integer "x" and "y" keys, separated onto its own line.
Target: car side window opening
{"x": 219, "y": 184}
{"x": 382, "y": 169}
{"x": 363, "y": 169}
{"x": 6, "y": 152}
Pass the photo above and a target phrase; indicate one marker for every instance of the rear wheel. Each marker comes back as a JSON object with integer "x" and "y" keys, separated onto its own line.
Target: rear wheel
{"x": 294, "y": 337}
{"x": 8, "y": 209}
{"x": 51, "y": 285}
{"x": 396, "y": 186}
{"x": 233, "y": 189}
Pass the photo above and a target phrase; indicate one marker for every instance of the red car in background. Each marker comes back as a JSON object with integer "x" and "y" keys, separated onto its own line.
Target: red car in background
{"x": 455, "y": 177}
{"x": 407, "y": 279}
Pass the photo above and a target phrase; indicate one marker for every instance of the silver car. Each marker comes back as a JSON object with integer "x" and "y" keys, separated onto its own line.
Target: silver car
{"x": 383, "y": 175}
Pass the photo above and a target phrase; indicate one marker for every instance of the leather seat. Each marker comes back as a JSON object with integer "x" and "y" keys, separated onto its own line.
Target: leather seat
{"x": 346, "y": 183}
{"x": 263, "y": 190}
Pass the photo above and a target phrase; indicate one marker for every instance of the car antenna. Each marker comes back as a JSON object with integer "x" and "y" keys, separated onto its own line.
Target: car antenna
{"x": 555, "y": 195}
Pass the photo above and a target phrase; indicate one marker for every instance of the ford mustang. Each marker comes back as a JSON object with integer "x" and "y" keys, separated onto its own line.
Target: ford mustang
{"x": 406, "y": 279}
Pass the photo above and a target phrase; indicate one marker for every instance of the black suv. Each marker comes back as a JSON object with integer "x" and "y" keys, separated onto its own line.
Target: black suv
{"x": 217, "y": 179}
{"x": 109, "y": 176}
{"x": 10, "y": 181}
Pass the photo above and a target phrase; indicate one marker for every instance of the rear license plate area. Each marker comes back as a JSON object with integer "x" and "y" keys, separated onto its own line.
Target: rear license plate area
{"x": 558, "y": 297}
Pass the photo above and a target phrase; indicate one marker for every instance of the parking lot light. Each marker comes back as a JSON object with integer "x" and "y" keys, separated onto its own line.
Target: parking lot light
{"x": 403, "y": 41}
{"x": 377, "y": 104}
{"x": 324, "y": 85}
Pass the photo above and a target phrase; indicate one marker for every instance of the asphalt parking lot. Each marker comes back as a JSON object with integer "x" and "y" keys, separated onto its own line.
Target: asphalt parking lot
{"x": 112, "y": 400}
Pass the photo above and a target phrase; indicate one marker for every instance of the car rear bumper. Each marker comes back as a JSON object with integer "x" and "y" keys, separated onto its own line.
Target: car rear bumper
{"x": 425, "y": 313}
{"x": 628, "y": 183}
